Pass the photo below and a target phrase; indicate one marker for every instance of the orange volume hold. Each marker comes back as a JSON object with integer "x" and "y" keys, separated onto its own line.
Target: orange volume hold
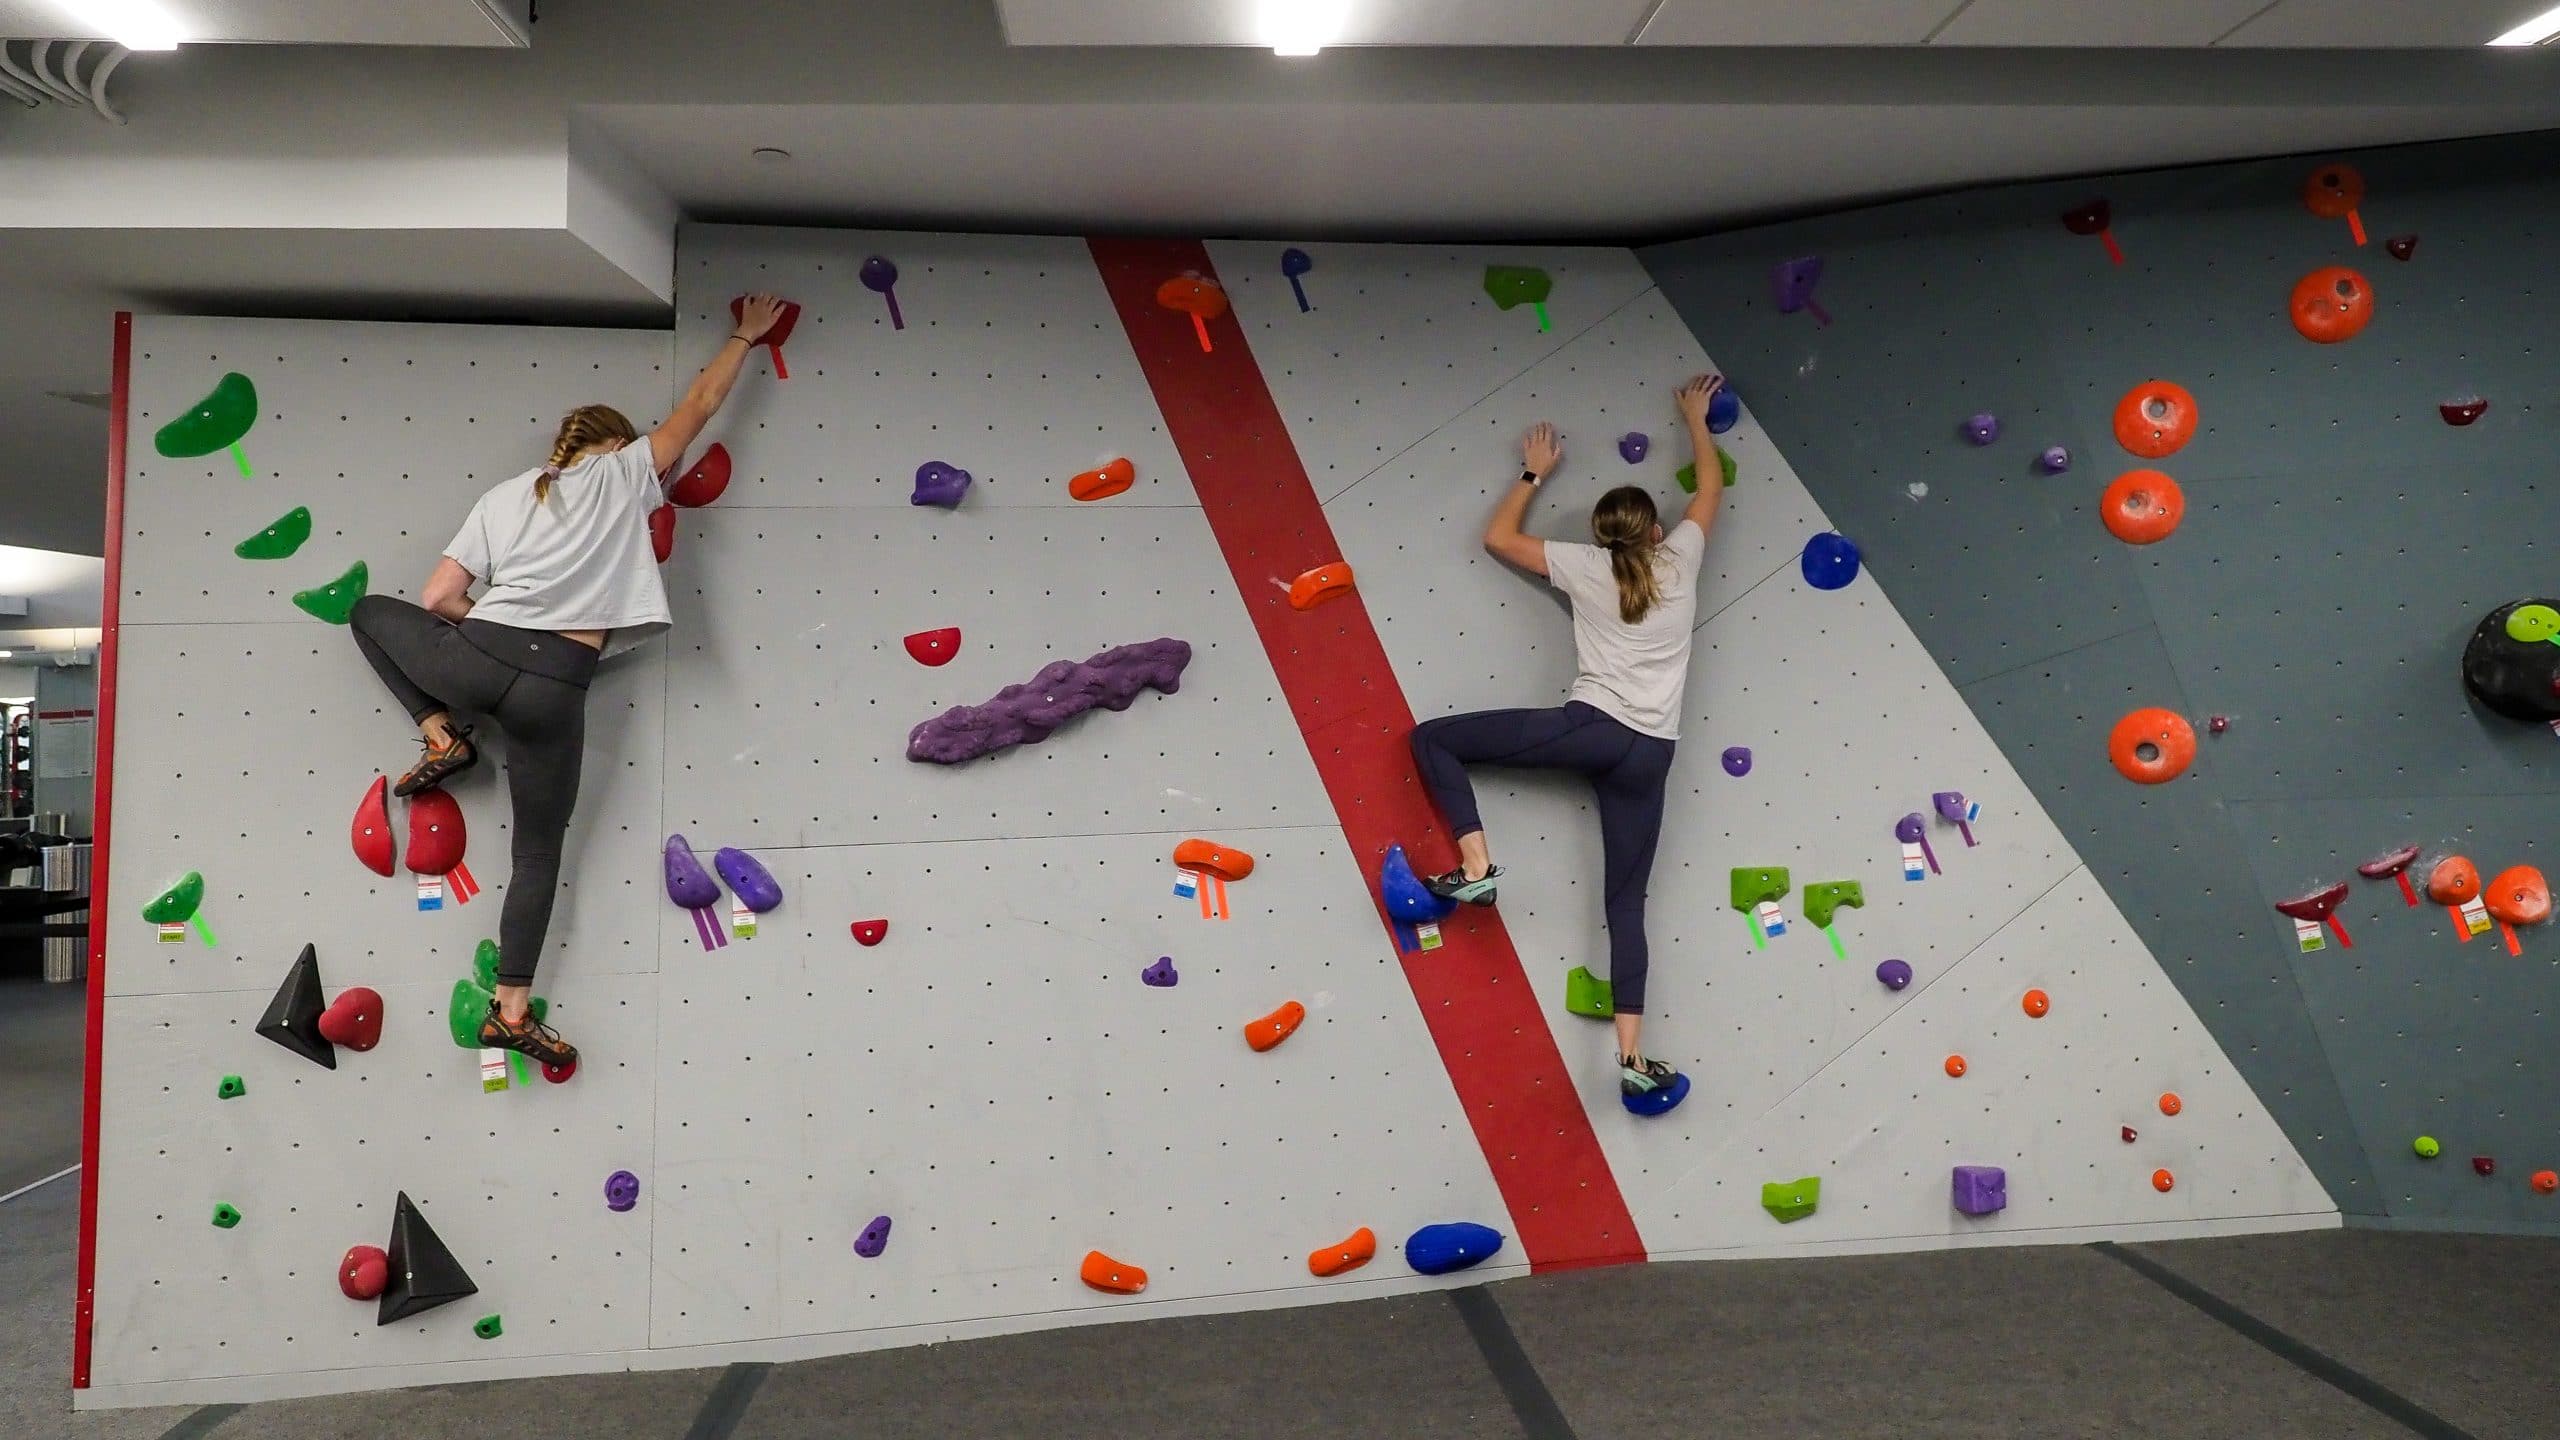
{"x": 1325, "y": 582}
{"x": 1275, "y": 1027}
{"x": 1104, "y": 483}
{"x": 1104, "y": 1273}
{"x": 1213, "y": 859}
{"x": 1350, "y": 1255}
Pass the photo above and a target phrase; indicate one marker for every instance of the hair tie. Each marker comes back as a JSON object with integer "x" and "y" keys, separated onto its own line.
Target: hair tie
{"x": 551, "y": 470}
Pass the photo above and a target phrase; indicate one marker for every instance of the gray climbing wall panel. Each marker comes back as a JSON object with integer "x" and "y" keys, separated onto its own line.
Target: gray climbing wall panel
{"x": 2340, "y": 542}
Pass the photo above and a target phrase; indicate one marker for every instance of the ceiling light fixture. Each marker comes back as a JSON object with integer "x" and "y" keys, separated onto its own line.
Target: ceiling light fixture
{"x": 1302, "y": 27}
{"x": 133, "y": 24}
{"x": 2536, "y": 31}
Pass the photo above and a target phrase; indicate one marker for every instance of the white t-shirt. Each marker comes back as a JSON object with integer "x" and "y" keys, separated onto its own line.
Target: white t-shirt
{"x": 578, "y": 561}
{"x": 1633, "y": 673}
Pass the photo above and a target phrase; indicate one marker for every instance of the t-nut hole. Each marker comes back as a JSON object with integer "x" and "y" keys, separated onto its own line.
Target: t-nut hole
{"x": 2146, "y": 752}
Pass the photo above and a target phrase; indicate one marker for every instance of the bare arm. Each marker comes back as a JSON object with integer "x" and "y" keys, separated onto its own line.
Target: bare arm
{"x": 448, "y": 591}
{"x": 1539, "y": 456}
{"x": 1693, "y": 398}
{"x": 703, "y": 398}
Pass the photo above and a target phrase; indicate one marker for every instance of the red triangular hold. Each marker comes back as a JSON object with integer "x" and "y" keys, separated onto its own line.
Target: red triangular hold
{"x": 354, "y": 1020}
{"x": 662, "y": 532}
{"x": 436, "y": 834}
{"x": 371, "y": 832}
{"x": 703, "y": 483}
{"x": 870, "y": 932}
{"x": 934, "y": 647}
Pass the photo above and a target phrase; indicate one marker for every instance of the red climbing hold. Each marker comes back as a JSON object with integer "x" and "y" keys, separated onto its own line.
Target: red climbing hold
{"x": 559, "y": 1074}
{"x": 774, "y": 338}
{"x": 354, "y": 1019}
{"x": 2130, "y": 1135}
{"x": 436, "y": 834}
{"x": 364, "y": 1272}
{"x": 870, "y": 932}
{"x": 1104, "y": 483}
{"x": 2401, "y": 246}
{"x": 662, "y": 532}
{"x": 372, "y": 830}
{"x": 2393, "y": 866}
{"x": 1325, "y": 582}
{"x": 934, "y": 647}
{"x": 2320, "y": 907}
{"x": 703, "y": 483}
{"x": 1211, "y": 858}
{"x": 1104, "y": 1273}
{"x": 2484, "y": 1166}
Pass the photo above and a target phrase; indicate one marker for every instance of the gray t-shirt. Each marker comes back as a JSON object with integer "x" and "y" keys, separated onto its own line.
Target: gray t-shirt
{"x": 1633, "y": 673}
{"x": 578, "y": 561}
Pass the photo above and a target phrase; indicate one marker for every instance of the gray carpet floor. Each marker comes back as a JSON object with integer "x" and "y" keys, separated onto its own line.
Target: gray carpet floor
{"x": 41, "y": 1042}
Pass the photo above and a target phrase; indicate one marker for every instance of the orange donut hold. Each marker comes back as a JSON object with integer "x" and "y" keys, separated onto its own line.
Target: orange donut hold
{"x": 2036, "y": 1003}
{"x": 2163, "y": 1181}
{"x": 2333, "y": 191}
{"x": 2170, "y": 1104}
{"x": 1955, "y": 1067}
{"x": 1104, "y": 1273}
{"x": 1210, "y": 858}
{"x": 1351, "y": 1254}
{"x": 2331, "y": 304}
{"x": 2519, "y": 896}
{"x": 2453, "y": 881}
{"x": 2152, "y": 746}
{"x": 2142, "y": 507}
{"x": 1275, "y": 1027}
{"x": 2155, "y": 418}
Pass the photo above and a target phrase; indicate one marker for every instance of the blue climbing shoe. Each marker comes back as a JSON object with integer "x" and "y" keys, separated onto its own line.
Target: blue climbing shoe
{"x": 1456, "y": 886}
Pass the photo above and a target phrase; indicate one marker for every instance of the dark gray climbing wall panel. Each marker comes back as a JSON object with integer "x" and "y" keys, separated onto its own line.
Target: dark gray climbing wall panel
{"x": 2340, "y": 542}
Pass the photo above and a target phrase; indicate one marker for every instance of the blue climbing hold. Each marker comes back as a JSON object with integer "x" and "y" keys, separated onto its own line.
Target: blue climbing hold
{"x": 1724, "y": 411}
{"x": 1658, "y": 1102}
{"x": 1830, "y": 561}
{"x": 1408, "y": 899}
{"x": 1440, "y": 1249}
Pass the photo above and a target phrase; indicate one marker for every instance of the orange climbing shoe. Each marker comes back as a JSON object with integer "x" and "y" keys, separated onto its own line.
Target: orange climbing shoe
{"x": 1275, "y": 1027}
{"x": 1104, "y": 1273}
{"x": 531, "y": 1038}
{"x": 1351, "y": 1254}
{"x": 439, "y": 762}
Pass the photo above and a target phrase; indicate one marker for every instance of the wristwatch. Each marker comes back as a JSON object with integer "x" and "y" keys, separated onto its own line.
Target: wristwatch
{"x": 1530, "y": 478}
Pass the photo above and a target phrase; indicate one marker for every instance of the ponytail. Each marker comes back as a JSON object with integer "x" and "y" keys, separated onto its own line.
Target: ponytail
{"x": 581, "y": 430}
{"x": 1623, "y": 524}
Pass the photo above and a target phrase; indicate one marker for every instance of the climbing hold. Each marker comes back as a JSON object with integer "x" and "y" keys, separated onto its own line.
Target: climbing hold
{"x": 354, "y": 1019}
{"x": 1103, "y": 483}
{"x": 216, "y": 422}
{"x": 1027, "y": 714}
{"x": 2511, "y": 665}
{"x": 2142, "y": 507}
{"x": 1792, "y": 282}
{"x": 1316, "y": 586}
{"x": 2170, "y": 1104}
{"x": 1830, "y": 561}
{"x": 875, "y": 1238}
{"x": 870, "y": 932}
{"x": 2333, "y": 192}
{"x": 1661, "y": 1100}
{"x": 2332, "y": 304}
{"x": 938, "y": 483}
{"x": 2426, "y": 1147}
{"x": 1408, "y": 902}
{"x": 424, "y": 1273}
{"x": 2094, "y": 218}
{"x": 2163, "y": 1181}
{"x": 2152, "y": 746}
{"x": 181, "y": 904}
{"x": 1458, "y": 1245}
{"x": 2454, "y": 880}
{"x": 747, "y": 878}
{"x": 1982, "y": 429}
{"x": 224, "y": 1217}
{"x": 1753, "y": 886}
{"x": 2393, "y": 865}
{"x": 1894, "y": 974}
{"x": 1587, "y": 994}
{"x": 335, "y": 601}
{"x": 2518, "y": 896}
{"x": 703, "y": 483}
{"x": 231, "y": 1088}
{"x": 438, "y": 838}
{"x": 1791, "y": 1200}
{"x": 1825, "y": 898}
{"x": 1511, "y": 285}
{"x": 775, "y": 338}
{"x": 1104, "y": 1273}
{"x": 1275, "y": 1027}
{"x": 1634, "y": 446}
{"x": 2545, "y": 1181}
{"x": 2461, "y": 410}
{"x": 1161, "y": 974}
{"x": 363, "y": 1272}
{"x": 562, "y": 1073}
{"x": 879, "y": 275}
{"x": 662, "y": 532}
{"x": 1202, "y": 299}
{"x": 692, "y": 889}
{"x": 371, "y": 832}
{"x": 1981, "y": 1189}
{"x": 621, "y": 1191}
{"x": 293, "y": 1016}
{"x": 2319, "y": 907}
{"x": 1354, "y": 1251}
{"x": 1724, "y": 410}
{"x": 1687, "y": 475}
{"x": 2155, "y": 418}
{"x": 2401, "y": 246}
{"x": 1737, "y": 761}
{"x": 1210, "y": 858}
{"x": 2484, "y": 1166}
{"x": 278, "y": 540}
{"x": 2533, "y": 624}
{"x": 1955, "y": 1067}
{"x": 488, "y": 1327}
{"x": 1295, "y": 262}
{"x": 484, "y": 964}
{"x": 2054, "y": 460}
{"x": 2130, "y": 1135}
{"x": 2216, "y": 724}
{"x": 934, "y": 647}
{"x": 2036, "y": 1003}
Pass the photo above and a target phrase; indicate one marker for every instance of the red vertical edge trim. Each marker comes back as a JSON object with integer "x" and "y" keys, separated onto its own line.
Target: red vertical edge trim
{"x": 102, "y": 804}
{"x": 1481, "y": 1009}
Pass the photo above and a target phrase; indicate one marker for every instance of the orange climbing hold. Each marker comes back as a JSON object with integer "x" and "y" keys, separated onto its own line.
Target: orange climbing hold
{"x": 1210, "y": 858}
{"x": 1104, "y": 1273}
{"x": 2453, "y": 881}
{"x": 1350, "y": 1255}
{"x": 2331, "y": 304}
{"x": 2546, "y": 1181}
{"x": 2170, "y": 1104}
{"x": 2333, "y": 192}
{"x": 1275, "y": 1027}
{"x": 2155, "y": 418}
{"x": 1955, "y": 1067}
{"x": 2142, "y": 507}
{"x": 2152, "y": 746}
{"x": 1325, "y": 582}
{"x": 2035, "y": 1003}
{"x": 1104, "y": 483}
{"x": 2163, "y": 1181}
{"x": 2519, "y": 896}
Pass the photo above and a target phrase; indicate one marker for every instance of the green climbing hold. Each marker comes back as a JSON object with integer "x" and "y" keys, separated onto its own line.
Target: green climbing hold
{"x": 225, "y": 1217}
{"x": 1511, "y": 285}
{"x": 1793, "y": 1200}
{"x": 470, "y": 1004}
{"x": 231, "y": 1088}
{"x": 487, "y": 1327}
{"x": 278, "y": 540}
{"x": 2427, "y": 1147}
{"x": 2530, "y": 623}
{"x": 1751, "y": 886}
{"x": 1824, "y": 900}
{"x": 177, "y": 904}
{"x": 335, "y": 601}
{"x": 1687, "y": 474}
{"x": 1587, "y": 994}
{"x": 484, "y": 964}
{"x": 216, "y": 422}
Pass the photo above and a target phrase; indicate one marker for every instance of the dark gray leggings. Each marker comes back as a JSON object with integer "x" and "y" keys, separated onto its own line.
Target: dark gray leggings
{"x": 1627, "y": 770}
{"x": 534, "y": 684}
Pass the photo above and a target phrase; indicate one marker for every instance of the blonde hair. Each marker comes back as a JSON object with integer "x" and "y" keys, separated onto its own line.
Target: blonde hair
{"x": 1623, "y": 523}
{"x": 581, "y": 430}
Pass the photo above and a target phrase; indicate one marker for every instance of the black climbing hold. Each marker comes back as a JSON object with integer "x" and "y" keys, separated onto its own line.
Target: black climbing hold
{"x": 293, "y": 1017}
{"x": 424, "y": 1274}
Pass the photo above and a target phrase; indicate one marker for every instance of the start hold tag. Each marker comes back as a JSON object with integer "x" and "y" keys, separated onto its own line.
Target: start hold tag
{"x": 2306, "y": 933}
{"x": 173, "y": 934}
{"x": 430, "y": 892}
{"x": 2475, "y": 916}
{"x": 493, "y": 1071}
{"x": 1773, "y": 921}
{"x": 1186, "y": 884}
{"x": 1428, "y": 935}
{"x": 742, "y": 921}
{"x": 1914, "y": 865}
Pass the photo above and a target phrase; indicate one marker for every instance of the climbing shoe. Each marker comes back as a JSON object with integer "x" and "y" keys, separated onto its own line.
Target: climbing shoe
{"x": 1456, "y": 886}
{"x": 532, "y": 1038}
{"x": 1639, "y": 1076}
{"x": 439, "y": 762}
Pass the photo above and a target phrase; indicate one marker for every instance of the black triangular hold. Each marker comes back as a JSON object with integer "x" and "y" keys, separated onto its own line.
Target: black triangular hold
{"x": 424, "y": 1274}
{"x": 293, "y": 1017}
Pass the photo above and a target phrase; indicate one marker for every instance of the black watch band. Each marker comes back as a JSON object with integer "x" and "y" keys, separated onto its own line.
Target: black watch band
{"x": 1529, "y": 478}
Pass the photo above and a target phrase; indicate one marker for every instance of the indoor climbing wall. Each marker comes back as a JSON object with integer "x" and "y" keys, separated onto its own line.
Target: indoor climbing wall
{"x": 2342, "y": 537}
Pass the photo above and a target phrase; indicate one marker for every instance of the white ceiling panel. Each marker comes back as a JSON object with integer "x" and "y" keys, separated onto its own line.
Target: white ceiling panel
{"x": 1365, "y": 22}
{"x": 1803, "y": 22}
{"x": 2385, "y": 24}
{"x": 303, "y": 22}
{"x": 2161, "y": 24}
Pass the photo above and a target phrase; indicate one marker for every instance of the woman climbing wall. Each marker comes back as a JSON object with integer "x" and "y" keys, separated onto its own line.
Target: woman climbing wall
{"x": 567, "y": 577}
{"x": 1635, "y": 597}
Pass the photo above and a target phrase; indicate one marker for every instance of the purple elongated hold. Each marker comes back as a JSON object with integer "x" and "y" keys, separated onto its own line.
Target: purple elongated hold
{"x": 621, "y": 1191}
{"x": 940, "y": 484}
{"x": 873, "y": 1239}
{"x": 688, "y": 884}
{"x": 1161, "y": 974}
{"x": 1634, "y": 446}
{"x": 753, "y": 884}
{"x": 1027, "y": 714}
{"x": 1737, "y": 761}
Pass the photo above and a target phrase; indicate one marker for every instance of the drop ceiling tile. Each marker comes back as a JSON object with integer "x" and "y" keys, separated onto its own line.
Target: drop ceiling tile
{"x": 1828, "y": 22}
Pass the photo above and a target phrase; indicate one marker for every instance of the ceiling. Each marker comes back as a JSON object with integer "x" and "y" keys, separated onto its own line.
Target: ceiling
{"x": 302, "y": 22}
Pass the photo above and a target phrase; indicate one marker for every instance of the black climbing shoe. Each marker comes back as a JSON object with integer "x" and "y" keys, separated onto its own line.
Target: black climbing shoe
{"x": 439, "y": 762}
{"x": 1639, "y": 1076}
{"x": 1456, "y": 886}
{"x": 532, "y": 1038}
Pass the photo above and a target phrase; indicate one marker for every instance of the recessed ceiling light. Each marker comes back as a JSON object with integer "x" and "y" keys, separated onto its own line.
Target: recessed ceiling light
{"x": 133, "y": 24}
{"x": 5, "y": 654}
{"x": 771, "y": 154}
{"x": 1302, "y": 27}
{"x": 2535, "y": 31}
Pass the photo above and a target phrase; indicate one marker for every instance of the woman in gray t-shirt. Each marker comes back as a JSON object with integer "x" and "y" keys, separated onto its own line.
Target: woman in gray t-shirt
{"x": 1635, "y": 597}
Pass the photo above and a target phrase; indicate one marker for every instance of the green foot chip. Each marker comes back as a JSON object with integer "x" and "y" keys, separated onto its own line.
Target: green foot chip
{"x": 278, "y": 540}
{"x": 225, "y": 1217}
{"x": 335, "y": 601}
{"x": 1792, "y": 1201}
{"x": 487, "y": 1327}
{"x": 1587, "y": 994}
{"x": 231, "y": 1088}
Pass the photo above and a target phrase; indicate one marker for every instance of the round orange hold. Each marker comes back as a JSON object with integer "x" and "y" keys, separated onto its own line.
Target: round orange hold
{"x": 2155, "y": 418}
{"x": 1955, "y": 1066}
{"x": 2333, "y": 192}
{"x": 2453, "y": 881}
{"x": 2142, "y": 507}
{"x": 2152, "y": 746}
{"x": 2163, "y": 1181}
{"x": 2036, "y": 1003}
{"x": 2331, "y": 304}
{"x": 2519, "y": 896}
{"x": 2546, "y": 1181}
{"x": 2170, "y": 1104}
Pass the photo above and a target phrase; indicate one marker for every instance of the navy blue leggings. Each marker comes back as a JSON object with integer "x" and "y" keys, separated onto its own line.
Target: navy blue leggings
{"x": 1627, "y": 770}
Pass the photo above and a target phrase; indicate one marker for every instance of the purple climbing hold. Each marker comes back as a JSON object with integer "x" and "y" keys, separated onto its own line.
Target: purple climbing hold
{"x": 1737, "y": 761}
{"x": 873, "y": 1239}
{"x": 1792, "y": 282}
{"x": 753, "y": 884}
{"x": 621, "y": 1191}
{"x": 2054, "y": 460}
{"x": 1894, "y": 973}
{"x": 1911, "y": 828}
{"x": 1634, "y": 446}
{"x": 1830, "y": 561}
{"x": 1161, "y": 974}
{"x": 1950, "y": 806}
{"x": 688, "y": 884}
{"x": 1982, "y": 429}
{"x": 1981, "y": 1189}
{"x": 939, "y": 484}
{"x": 1026, "y": 714}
